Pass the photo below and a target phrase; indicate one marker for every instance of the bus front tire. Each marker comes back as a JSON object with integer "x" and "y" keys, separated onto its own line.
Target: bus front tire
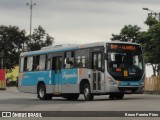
{"x": 112, "y": 96}
{"x": 88, "y": 96}
{"x": 42, "y": 93}
{"x": 119, "y": 96}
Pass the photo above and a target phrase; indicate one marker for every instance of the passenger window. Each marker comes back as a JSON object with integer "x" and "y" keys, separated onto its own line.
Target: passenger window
{"x": 69, "y": 60}
{"x": 22, "y": 64}
{"x": 37, "y": 62}
{"x": 29, "y": 64}
{"x": 78, "y": 61}
{"x": 42, "y": 62}
{"x": 82, "y": 58}
{"x": 83, "y": 61}
{"x": 25, "y": 64}
{"x": 49, "y": 64}
{"x": 95, "y": 61}
{"x": 99, "y": 60}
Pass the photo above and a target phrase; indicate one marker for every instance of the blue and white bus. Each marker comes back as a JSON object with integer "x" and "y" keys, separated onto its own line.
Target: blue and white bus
{"x": 103, "y": 68}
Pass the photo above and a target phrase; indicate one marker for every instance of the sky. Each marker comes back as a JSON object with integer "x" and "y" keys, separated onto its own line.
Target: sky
{"x": 77, "y": 21}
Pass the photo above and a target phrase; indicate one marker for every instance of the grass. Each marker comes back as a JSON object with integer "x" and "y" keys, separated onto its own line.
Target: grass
{"x": 14, "y": 74}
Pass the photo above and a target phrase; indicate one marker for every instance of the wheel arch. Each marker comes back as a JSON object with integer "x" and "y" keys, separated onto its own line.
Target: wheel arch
{"x": 39, "y": 83}
{"x": 83, "y": 81}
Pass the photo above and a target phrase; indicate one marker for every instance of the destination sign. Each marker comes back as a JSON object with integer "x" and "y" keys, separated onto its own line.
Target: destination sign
{"x": 124, "y": 47}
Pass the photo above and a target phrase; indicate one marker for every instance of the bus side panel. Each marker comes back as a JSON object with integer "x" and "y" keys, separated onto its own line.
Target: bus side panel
{"x": 69, "y": 80}
{"x": 23, "y": 83}
{"x": 28, "y": 81}
{"x": 88, "y": 75}
{"x": 46, "y": 77}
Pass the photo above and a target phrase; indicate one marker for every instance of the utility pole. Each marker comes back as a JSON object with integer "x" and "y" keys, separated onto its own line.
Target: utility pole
{"x": 31, "y": 4}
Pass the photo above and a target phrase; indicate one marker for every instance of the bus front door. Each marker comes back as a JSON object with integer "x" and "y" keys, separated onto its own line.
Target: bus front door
{"x": 56, "y": 67}
{"x": 97, "y": 73}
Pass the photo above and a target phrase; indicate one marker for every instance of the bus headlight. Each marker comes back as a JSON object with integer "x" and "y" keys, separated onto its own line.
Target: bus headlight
{"x": 111, "y": 82}
{"x": 142, "y": 83}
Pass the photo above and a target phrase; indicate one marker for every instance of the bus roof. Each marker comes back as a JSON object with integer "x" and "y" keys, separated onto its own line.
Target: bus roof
{"x": 67, "y": 47}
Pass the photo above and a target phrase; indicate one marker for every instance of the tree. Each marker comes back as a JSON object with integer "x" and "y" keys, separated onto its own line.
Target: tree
{"x": 12, "y": 40}
{"x": 154, "y": 32}
{"x": 39, "y": 39}
{"x": 150, "y": 21}
{"x": 128, "y": 33}
{"x": 150, "y": 41}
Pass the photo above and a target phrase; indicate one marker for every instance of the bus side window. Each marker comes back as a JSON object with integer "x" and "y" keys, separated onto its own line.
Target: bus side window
{"x": 30, "y": 64}
{"x": 37, "y": 62}
{"x": 95, "y": 61}
{"x": 78, "y": 61}
{"x": 83, "y": 61}
{"x": 100, "y": 61}
{"x": 42, "y": 62}
{"x": 34, "y": 61}
{"x": 25, "y": 64}
{"x": 82, "y": 58}
{"x": 69, "y": 60}
{"x": 48, "y": 64}
{"x": 21, "y": 64}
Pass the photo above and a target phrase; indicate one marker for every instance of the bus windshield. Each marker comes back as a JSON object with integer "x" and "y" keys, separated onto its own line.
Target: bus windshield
{"x": 125, "y": 64}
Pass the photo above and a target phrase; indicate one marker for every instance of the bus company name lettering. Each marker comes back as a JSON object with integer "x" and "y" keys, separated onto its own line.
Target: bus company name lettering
{"x": 69, "y": 75}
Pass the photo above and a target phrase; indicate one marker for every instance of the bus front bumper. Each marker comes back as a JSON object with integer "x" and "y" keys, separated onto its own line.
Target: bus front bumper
{"x": 126, "y": 89}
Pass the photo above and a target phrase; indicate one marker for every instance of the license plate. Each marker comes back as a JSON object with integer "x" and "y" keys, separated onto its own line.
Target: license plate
{"x": 128, "y": 91}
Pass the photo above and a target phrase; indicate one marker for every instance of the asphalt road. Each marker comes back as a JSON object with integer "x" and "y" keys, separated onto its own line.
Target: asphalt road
{"x": 13, "y": 100}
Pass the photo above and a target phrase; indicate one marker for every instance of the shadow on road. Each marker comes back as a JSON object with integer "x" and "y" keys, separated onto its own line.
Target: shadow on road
{"x": 32, "y": 101}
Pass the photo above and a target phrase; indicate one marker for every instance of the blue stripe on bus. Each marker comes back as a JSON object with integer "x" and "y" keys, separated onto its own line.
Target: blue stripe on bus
{"x": 129, "y": 83}
{"x": 65, "y": 76}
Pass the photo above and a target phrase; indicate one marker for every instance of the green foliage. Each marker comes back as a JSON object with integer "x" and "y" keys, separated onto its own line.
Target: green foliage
{"x": 128, "y": 33}
{"x": 151, "y": 21}
{"x": 39, "y": 39}
{"x": 151, "y": 44}
{"x": 12, "y": 40}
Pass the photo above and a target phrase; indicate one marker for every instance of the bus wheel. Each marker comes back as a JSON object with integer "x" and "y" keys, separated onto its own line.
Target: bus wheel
{"x": 72, "y": 97}
{"x": 42, "y": 93}
{"x": 112, "y": 96}
{"x": 119, "y": 96}
{"x": 88, "y": 96}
